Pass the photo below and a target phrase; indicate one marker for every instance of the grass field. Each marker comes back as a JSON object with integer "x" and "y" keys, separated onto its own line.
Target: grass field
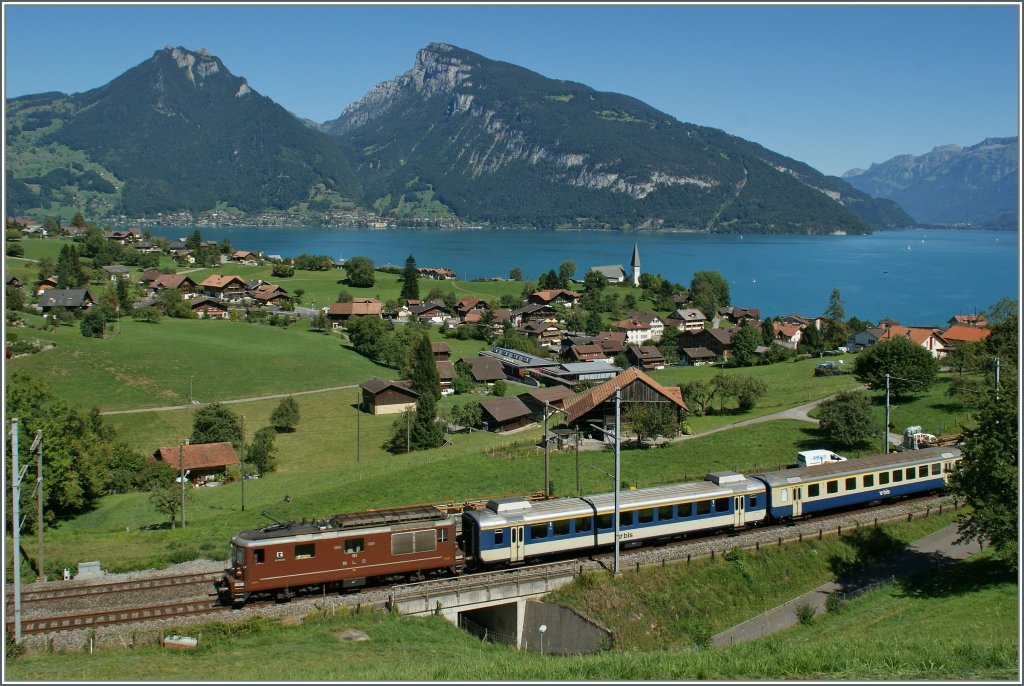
{"x": 956, "y": 623}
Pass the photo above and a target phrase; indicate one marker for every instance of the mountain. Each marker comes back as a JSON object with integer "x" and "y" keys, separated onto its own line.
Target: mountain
{"x": 977, "y": 185}
{"x": 177, "y": 132}
{"x": 496, "y": 143}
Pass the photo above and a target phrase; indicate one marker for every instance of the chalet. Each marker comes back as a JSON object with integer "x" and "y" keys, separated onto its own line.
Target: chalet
{"x": 381, "y": 396}
{"x": 72, "y": 299}
{"x": 554, "y": 396}
{"x": 958, "y": 334}
{"x": 613, "y": 273}
{"x": 547, "y": 334}
{"x": 340, "y": 313}
{"x": 268, "y": 294}
{"x": 612, "y": 342}
{"x": 652, "y": 320}
{"x": 117, "y": 272}
{"x": 803, "y": 322}
{"x": 966, "y": 320}
{"x": 123, "y": 237}
{"x": 597, "y": 405}
{"x": 446, "y": 374}
{"x": 718, "y": 341}
{"x": 14, "y": 282}
{"x": 646, "y": 357}
{"x": 505, "y": 414}
{"x": 695, "y": 357}
{"x": 534, "y": 312}
{"x": 199, "y": 461}
{"x": 209, "y": 308}
{"x": 147, "y": 246}
{"x": 554, "y": 295}
{"x": 46, "y": 284}
{"x": 484, "y": 369}
{"x": 501, "y": 315}
{"x": 587, "y": 352}
{"x": 440, "y": 351}
{"x": 787, "y": 335}
{"x": 469, "y": 305}
{"x": 175, "y": 245}
{"x": 400, "y": 314}
{"x": 432, "y": 311}
{"x": 864, "y": 339}
{"x": 926, "y": 337}
{"x": 180, "y": 282}
{"x": 245, "y": 257}
{"x": 76, "y": 231}
{"x": 148, "y": 276}
{"x": 435, "y": 273}
{"x": 224, "y": 287}
{"x": 636, "y": 331}
{"x": 740, "y": 315}
{"x": 687, "y": 319}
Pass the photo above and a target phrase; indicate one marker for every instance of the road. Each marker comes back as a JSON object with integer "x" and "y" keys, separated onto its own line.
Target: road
{"x": 168, "y": 408}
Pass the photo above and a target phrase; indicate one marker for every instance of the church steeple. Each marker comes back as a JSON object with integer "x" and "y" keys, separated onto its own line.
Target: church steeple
{"x": 635, "y": 263}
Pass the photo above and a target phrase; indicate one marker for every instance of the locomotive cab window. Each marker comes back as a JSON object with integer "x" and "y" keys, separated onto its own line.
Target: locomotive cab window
{"x": 257, "y": 555}
{"x": 442, "y": 535}
{"x": 561, "y": 527}
{"x": 304, "y": 550}
{"x": 584, "y": 525}
{"x": 851, "y": 483}
{"x": 832, "y": 486}
{"x": 354, "y": 545}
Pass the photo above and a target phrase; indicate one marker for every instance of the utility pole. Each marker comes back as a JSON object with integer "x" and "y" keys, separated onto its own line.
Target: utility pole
{"x": 885, "y": 429}
{"x": 359, "y": 411}
{"x": 242, "y": 462}
{"x": 547, "y": 461}
{"x": 37, "y": 447}
{"x": 618, "y": 403}
{"x": 997, "y": 378}
{"x": 407, "y": 416}
{"x": 181, "y": 469}
{"x": 190, "y": 377}
{"x": 578, "y": 461}
{"x": 16, "y": 527}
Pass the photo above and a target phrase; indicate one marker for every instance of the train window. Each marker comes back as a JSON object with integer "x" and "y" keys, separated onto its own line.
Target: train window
{"x": 722, "y": 504}
{"x": 646, "y": 516}
{"x": 304, "y": 550}
{"x": 583, "y": 525}
{"x": 604, "y": 521}
{"x": 911, "y": 472}
{"x": 897, "y": 475}
{"x": 851, "y": 483}
{"x": 499, "y": 537}
{"x": 922, "y": 471}
{"x": 832, "y": 486}
{"x": 684, "y": 510}
{"x": 561, "y": 527}
{"x": 703, "y": 507}
{"x": 883, "y": 478}
{"x": 354, "y": 545}
{"x": 539, "y": 531}
{"x": 664, "y": 513}
{"x": 813, "y": 490}
{"x": 258, "y": 555}
{"x": 626, "y": 518}
{"x": 442, "y": 535}
{"x": 752, "y": 501}
{"x": 869, "y": 480}
{"x": 936, "y": 469}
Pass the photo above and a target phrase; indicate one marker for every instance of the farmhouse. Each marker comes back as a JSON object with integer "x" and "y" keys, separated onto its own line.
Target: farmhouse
{"x": 208, "y": 308}
{"x": 199, "y": 461}
{"x": 74, "y": 299}
{"x": 646, "y": 357}
{"x": 687, "y": 319}
{"x": 181, "y": 282}
{"x": 381, "y": 396}
{"x": 597, "y": 405}
{"x": 505, "y": 414}
{"x": 339, "y": 313}
{"x": 224, "y": 287}
{"x": 484, "y": 369}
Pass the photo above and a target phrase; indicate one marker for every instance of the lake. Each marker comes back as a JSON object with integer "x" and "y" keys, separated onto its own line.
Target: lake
{"x": 916, "y": 276}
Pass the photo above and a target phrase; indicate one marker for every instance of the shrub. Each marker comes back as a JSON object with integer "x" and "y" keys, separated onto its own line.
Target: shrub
{"x": 805, "y": 613}
{"x": 834, "y": 603}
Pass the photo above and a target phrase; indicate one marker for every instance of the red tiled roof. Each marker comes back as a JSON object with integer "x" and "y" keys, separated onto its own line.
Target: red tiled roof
{"x": 964, "y": 334}
{"x": 221, "y": 281}
{"x": 170, "y": 281}
{"x": 581, "y": 403}
{"x": 355, "y": 308}
{"x": 198, "y": 455}
{"x": 915, "y": 333}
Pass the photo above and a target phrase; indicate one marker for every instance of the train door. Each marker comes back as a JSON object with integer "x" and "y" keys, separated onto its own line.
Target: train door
{"x": 518, "y": 544}
{"x": 798, "y": 501}
{"x": 738, "y": 510}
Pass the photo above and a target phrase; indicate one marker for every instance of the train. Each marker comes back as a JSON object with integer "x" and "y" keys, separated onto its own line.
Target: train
{"x": 350, "y": 550}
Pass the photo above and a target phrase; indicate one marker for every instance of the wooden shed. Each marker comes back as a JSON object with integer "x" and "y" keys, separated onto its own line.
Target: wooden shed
{"x": 381, "y": 396}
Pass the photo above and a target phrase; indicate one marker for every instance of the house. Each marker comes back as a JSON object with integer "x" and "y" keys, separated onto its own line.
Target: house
{"x": 864, "y": 339}
{"x": 554, "y": 295}
{"x": 199, "y": 461}
{"x": 123, "y": 237}
{"x": 381, "y": 396}
{"x": 718, "y": 341}
{"x": 646, "y": 357}
{"x": 245, "y": 257}
{"x": 339, "y": 313}
{"x": 73, "y": 299}
{"x": 613, "y": 273}
{"x": 612, "y": 342}
{"x": 441, "y": 351}
{"x": 147, "y": 246}
{"x": 148, "y": 276}
{"x": 470, "y": 304}
{"x": 518, "y": 364}
{"x": 269, "y": 294}
{"x": 46, "y": 284}
{"x": 597, "y": 405}
{"x": 14, "y": 282}
{"x": 966, "y": 320}
{"x": 958, "y": 334}
{"x": 432, "y": 311}
{"x": 446, "y": 373}
{"x": 787, "y": 335}
{"x": 547, "y": 334}
{"x": 572, "y": 373}
{"x": 209, "y": 308}
{"x": 117, "y": 272}
{"x": 740, "y": 315}
{"x": 180, "y": 282}
{"x": 484, "y": 369}
{"x": 636, "y": 331}
{"x": 505, "y": 414}
{"x": 554, "y": 396}
{"x": 224, "y": 287}
{"x": 695, "y": 357}
{"x": 652, "y": 320}
{"x": 587, "y": 352}
{"x": 687, "y": 319}
{"x": 534, "y": 312}
{"x": 435, "y": 273}
{"x": 926, "y": 337}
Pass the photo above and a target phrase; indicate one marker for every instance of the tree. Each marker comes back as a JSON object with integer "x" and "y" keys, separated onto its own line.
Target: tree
{"x": 566, "y": 271}
{"x": 344, "y": 296}
{"x": 768, "y": 331}
{"x": 125, "y": 463}
{"x": 215, "y": 423}
{"x": 285, "y": 417}
{"x": 836, "y": 330}
{"x": 369, "y": 336}
{"x": 594, "y": 282}
{"x": 47, "y": 268}
{"x": 410, "y": 284}
{"x": 360, "y": 272}
{"x": 515, "y": 274}
{"x": 810, "y": 340}
{"x": 499, "y": 388}
{"x": 709, "y": 291}
{"x": 425, "y": 432}
{"x": 650, "y": 420}
{"x": 911, "y": 368}
{"x": 93, "y": 323}
{"x": 69, "y": 270}
{"x": 549, "y": 280}
{"x": 847, "y": 419}
{"x": 78, "y": 220}
{"x": 261, "y": 452}
{"x": 835, "y": 311}
{"x": 749, "y": 389}
{"x": 744, "y": 345}
{"x": 698, "y": 395}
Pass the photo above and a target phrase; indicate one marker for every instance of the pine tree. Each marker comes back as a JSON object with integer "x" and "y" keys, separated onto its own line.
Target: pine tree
{"x": 410, "y": 286}
{"x": 69, "y": 269}
{"x": 425, "y": 432}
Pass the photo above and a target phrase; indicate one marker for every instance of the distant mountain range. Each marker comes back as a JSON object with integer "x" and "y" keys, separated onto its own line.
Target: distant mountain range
{"x": 975, "y": 186}
{"x": 458, "y": 138}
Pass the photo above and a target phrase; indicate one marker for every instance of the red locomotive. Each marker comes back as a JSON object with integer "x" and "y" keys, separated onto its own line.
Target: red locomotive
{"x": 341, "y": 552}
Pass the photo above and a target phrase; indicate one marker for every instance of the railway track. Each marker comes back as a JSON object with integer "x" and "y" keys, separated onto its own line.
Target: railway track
{"x": 90, "y": 620}
{"x": 33, "y": 595}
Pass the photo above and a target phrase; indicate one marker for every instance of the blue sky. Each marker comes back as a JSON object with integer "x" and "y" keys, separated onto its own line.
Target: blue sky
{"x": 835, "y": 86}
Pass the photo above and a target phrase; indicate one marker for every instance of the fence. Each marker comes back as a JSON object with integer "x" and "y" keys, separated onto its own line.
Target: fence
{"x": 485, "y": 634}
